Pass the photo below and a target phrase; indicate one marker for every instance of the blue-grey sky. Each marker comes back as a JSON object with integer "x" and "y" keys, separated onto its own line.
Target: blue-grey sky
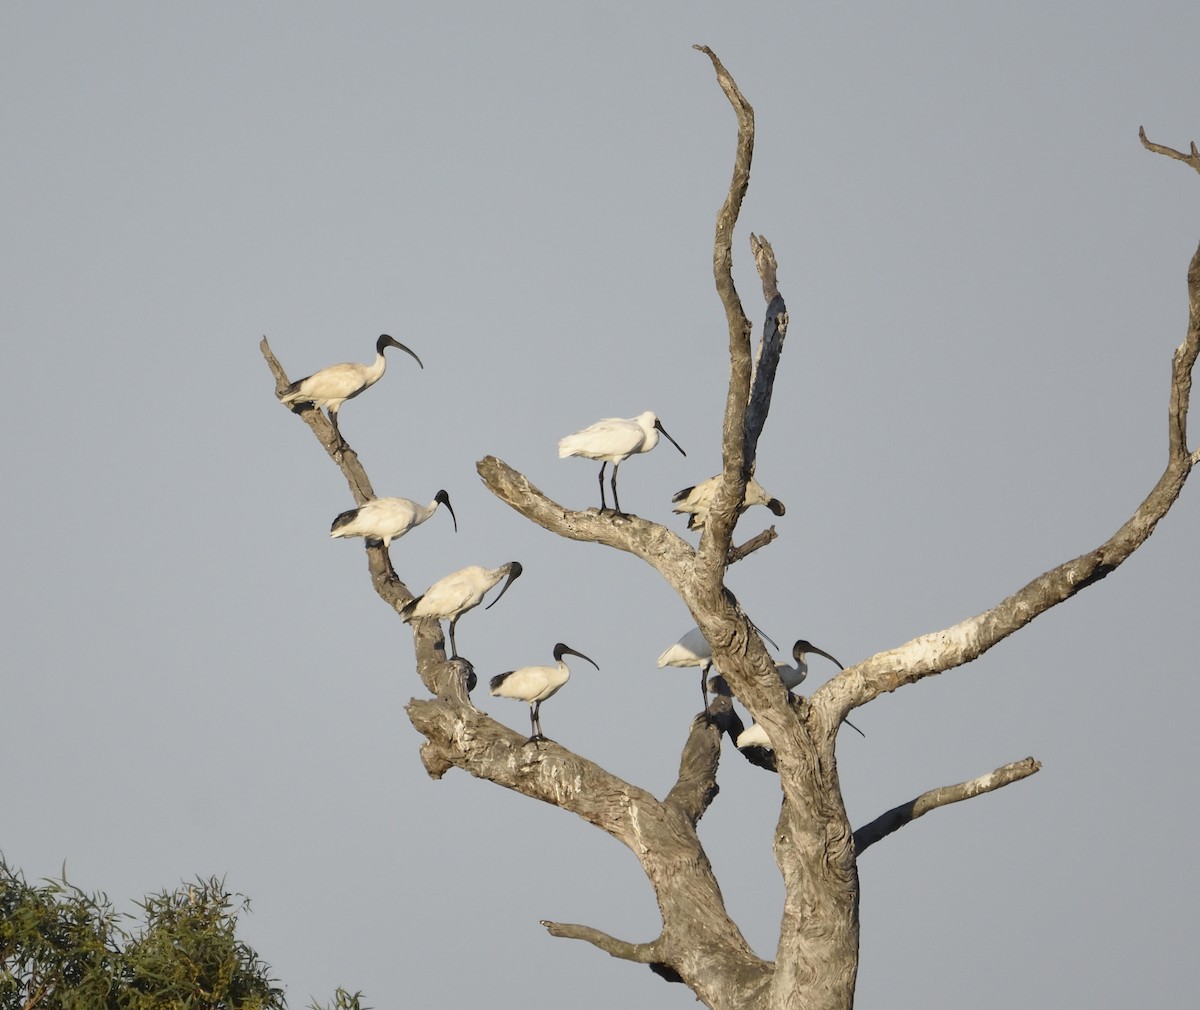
{"x": 985, "y": 277}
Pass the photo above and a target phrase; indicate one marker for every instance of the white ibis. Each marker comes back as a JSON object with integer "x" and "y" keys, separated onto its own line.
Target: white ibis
{"x": 333, "y": 386}
{"x": 452, "y": 596}
{"x": 756, "y": 736}
{"x": 388, "y": 519}
{"x": 793, "y": 675}
{"x": 613, "y": 440}
{"x": 534, "y": 684}
{"x": 691, "y": 650}
{"x": 753, "y": 736}
{"x": 694, "y": 502}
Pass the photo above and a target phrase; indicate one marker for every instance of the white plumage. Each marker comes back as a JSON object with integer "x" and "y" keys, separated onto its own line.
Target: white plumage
{"x": 534, "y": 684}
{"x": 694, "y": 502}
{"x": 691, "y": 650}
{"x": 387, "y": 519}
{"x": 458, "y": 592}
{"x": 612, "y": 440}
{"x": 754, "y": 736}
{"x": 333, "y": 386}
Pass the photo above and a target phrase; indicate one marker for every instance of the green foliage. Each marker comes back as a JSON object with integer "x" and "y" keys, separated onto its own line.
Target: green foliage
{"x": 62, "y": 949}
{"x": 342, "y": 1000}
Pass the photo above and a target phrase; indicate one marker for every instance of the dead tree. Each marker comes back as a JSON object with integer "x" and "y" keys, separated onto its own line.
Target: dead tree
{"x": 816, "y": 848}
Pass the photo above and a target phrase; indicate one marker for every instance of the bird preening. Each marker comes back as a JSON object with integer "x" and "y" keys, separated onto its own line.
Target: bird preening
{"x": 613, "y": 440}
{"x": 333, "y": 386}
{"x": 534, "y": 684}
{"x": 695, "y": 501}
{"x": 452, "y": 596}
{"x": 388, "y": 519}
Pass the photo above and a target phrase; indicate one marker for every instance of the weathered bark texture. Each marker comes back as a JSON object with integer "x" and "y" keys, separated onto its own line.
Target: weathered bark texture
{"x": 816, "y": 958}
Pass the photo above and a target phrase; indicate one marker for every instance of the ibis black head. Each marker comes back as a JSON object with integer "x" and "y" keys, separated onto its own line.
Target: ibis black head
{"x": 444, "y": 499}
{"x": 514, "y": 571}
{"x": 658, "y": 425}
{"x": 804, "y": 646}
{"x": 386, "y": 341}
{"x": 560, "y": 650}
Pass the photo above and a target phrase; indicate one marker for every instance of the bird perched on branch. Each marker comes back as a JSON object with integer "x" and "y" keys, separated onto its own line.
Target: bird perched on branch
{"x": 613, "y": 440}
{"x": 388, "y": 519}
{"x": 458, "y": 592}
{"x": 534, "y": 684}
{"x": 333, "y": 386}
{"x": 694, "y": 502}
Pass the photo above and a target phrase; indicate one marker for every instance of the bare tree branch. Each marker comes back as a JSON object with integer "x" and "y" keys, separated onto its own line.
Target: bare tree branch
{"x": 642, "y": 953}
{"x": 653, "y": 543}
{"x": 906, "y": 813}
{"x": 718, "y": 528}
{"x": 1192, "y": 159}
{"x": 661, "y": 835}
{"x": 736, "y": 554}
{"x": 770, "y": 347}
{"x": 935, "y": 653}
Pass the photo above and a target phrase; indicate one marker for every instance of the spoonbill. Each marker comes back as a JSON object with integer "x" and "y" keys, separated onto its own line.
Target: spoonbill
{"x": 535, "y": 684}
{"x": 694, "y": 502}
{"x": 333, "y": 386}
{"x": 458, "y": 592}
{"x": 613, "y": 440}
{"x": 388, "y": 519}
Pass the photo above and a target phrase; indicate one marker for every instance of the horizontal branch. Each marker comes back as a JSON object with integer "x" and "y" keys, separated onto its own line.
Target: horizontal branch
{"x": 906, "y": 813}
{"x": 642, "y": 953}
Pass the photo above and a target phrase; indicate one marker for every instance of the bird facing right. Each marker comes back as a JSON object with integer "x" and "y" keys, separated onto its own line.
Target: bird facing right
{"x": 534, "y": 684}
{"x": 614, "y": 440}
{"x": 388, "y": 519}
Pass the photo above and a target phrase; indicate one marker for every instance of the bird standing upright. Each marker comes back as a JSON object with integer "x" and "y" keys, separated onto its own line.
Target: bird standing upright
{"x": 793, "y": 675}
{"x": 458, "y": 592}
{"x": 612, "y": 440}
{"x": 694, "y": 502}
{"x": 388, "y": 519}
{"x": 333, "y": 386}
{"x": 534, "y": 684}
{"x": 691, "y": 650}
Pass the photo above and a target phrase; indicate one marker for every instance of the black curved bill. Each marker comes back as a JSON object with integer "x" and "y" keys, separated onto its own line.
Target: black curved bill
{"x": 514, "y": 571}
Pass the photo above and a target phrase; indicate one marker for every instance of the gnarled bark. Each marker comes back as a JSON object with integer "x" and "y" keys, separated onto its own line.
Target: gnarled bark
{"x": 816, "y": 958}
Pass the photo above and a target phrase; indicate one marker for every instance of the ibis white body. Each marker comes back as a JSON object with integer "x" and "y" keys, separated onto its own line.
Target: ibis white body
{"x": 388, "y": 519}
{"x": 754, "y": 736}
{"x": 451, "y": 597}
{"x": 694, "y": 502}
{"x": 534, "y": 684}
{"x": 333, "y": 386}
{"x": 613, "y": 440}
{"x": 691, "y": 650}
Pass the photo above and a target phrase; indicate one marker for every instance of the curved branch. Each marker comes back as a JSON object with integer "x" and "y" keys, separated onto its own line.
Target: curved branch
{"x": 653, "y": 543}
{"x": 641, "y": 953}
{"x": 906, "y": 813}
{"x": 699, "y": 941}
{"x": 1192, "y": 159}
{"x": 935, "y": 653}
